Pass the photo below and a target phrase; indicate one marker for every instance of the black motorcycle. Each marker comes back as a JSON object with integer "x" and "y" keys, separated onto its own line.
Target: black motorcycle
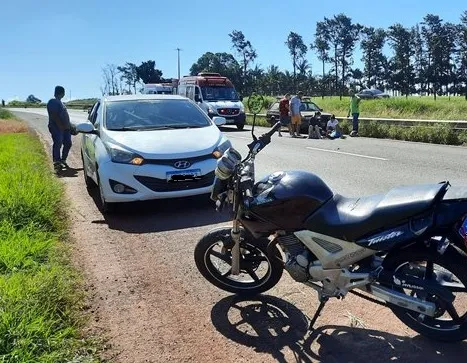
{"x": 405, "y": 249}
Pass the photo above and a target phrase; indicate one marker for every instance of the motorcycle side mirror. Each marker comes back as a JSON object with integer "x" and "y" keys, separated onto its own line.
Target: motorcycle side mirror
{"x": 255, "y": 105}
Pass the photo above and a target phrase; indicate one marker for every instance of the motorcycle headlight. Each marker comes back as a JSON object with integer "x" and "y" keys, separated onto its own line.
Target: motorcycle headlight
{"x": 221, "y": 148}
{"x": 122, "y": 156}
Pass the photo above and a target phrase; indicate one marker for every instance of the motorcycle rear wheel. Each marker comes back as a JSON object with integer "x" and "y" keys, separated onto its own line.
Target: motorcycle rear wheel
{"x": 452, "y": 262}
{"x": 253, "y": 252}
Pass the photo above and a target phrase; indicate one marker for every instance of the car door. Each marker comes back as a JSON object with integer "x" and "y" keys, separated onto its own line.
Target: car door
{"x": 90, "y": 140}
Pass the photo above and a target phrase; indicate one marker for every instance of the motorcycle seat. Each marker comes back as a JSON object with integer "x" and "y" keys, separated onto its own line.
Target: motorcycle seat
{"x": 350, "y": 219}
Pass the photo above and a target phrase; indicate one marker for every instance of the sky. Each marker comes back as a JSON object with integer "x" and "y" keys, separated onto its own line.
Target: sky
{"x": 47, "y": 43}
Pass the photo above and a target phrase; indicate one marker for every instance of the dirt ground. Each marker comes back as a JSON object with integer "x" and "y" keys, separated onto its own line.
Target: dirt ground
{"x": 148, "y": 300}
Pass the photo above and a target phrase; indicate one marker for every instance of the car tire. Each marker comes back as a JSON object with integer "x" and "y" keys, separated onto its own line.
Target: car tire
{"x": 240, "y": 127}
{"x": 105, "y": 207}
{"x": 90, "y": 184}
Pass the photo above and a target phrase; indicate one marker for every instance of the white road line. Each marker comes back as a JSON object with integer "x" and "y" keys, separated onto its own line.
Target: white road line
{"x": 238, "y": 137}
{"x": 342, "y": 152}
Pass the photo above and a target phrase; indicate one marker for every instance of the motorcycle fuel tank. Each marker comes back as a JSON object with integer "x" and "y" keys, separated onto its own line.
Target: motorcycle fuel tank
{"x": 286, "y": 198}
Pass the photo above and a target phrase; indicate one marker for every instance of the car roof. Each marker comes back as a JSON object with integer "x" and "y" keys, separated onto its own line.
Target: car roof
{"x": 138, "y": 97}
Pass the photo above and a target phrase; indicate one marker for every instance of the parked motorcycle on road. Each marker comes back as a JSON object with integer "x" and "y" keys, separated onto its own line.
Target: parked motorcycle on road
{"x": 405, "y": 249}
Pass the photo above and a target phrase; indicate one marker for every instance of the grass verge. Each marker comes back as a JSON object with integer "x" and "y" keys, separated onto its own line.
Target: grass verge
{"x": 40, "y": 292}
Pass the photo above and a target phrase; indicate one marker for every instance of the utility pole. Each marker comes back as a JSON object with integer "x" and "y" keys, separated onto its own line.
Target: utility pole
{"x": 178, "y": 60}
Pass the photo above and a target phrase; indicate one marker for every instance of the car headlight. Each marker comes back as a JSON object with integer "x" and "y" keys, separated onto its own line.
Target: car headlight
{"x": 122, "y": 156}
{"x": 221, "y": 148}
{"x": 242, "y": 108}
{"x": 211, "y": 110}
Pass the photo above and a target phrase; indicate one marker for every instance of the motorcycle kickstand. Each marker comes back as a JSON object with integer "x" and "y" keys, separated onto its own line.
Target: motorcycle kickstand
{"x": 323, "y": 302}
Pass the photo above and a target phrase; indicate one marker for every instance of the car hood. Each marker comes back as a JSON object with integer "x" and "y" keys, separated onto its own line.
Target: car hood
{"x": 165, "y": 144}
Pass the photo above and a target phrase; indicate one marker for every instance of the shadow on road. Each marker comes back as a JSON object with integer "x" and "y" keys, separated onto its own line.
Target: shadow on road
{"x": 269, "y": 324}
{"x": 68, "y": 173}
{"x": 163, "y": 215}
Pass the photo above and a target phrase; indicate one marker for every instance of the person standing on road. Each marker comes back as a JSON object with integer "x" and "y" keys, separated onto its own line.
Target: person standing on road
{"x": 354, "y": 109}
{"x": 296, "y": 117}
{"x": 60, "y": 129}
{"x": 285, "y": 113}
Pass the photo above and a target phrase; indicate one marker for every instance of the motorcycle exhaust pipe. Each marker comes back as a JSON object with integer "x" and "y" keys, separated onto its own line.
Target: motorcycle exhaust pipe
{"x": 402, "y": 300}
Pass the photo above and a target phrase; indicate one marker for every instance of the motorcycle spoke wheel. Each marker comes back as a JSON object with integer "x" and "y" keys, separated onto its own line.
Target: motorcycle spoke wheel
{"x": 258, "y": 273}
{"x": 450, "y": 320}
{"x": 254, "y": 265}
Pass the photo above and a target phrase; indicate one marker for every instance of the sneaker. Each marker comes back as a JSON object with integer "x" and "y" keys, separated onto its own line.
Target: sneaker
{"x": 58, "y": 165}
{"x": 65, "y": 165}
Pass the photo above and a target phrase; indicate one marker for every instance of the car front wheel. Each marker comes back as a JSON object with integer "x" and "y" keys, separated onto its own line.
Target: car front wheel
{"x": 106, "y": 207}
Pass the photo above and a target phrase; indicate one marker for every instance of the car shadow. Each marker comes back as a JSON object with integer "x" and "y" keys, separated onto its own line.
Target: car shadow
{"x": 269, "y": 324}
{"x": 163, "y": 215}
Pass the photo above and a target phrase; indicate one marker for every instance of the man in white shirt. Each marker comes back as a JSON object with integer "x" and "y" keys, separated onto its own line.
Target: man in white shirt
{"x": 332, "y": 125}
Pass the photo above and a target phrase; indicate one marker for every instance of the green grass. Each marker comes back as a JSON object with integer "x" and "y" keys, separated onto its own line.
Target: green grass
{"x": 395, "y": 107}
{"x": 5, "y": 114}
{"x": 40, "y": 293}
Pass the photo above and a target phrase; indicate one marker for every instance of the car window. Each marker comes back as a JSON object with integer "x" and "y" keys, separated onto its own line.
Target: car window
{"x": 93, "y": 115}
{"x": 309, "y": 106}
{"x": 154, "y": 114}
{"x": 275, "y": 106}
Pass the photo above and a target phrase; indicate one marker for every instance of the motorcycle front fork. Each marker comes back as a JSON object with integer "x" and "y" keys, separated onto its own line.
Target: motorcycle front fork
{"x": 235, "y": 233}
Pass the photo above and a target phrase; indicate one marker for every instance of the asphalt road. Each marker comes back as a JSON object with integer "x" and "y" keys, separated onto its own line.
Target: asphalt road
{"x": 148, "y": 299}
{"x": 351, "y": 166}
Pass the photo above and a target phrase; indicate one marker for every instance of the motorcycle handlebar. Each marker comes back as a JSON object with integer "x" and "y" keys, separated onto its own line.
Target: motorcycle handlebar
{"x": 273, "y": 129}
{"x": 264, "y": 139}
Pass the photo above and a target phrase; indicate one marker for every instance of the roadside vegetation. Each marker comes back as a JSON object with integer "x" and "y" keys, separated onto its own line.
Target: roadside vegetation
{"x": 40, "y": 292}
{"x": 425, "y": 108}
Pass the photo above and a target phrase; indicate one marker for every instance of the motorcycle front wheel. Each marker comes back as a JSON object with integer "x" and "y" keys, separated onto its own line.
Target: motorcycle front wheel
{"x": 258, "y": 272}
{"x": 449, "y": 270}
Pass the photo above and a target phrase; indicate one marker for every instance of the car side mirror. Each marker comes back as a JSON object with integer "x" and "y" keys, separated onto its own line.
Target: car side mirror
{"x": 85, "y": 128}
{"x": 219, "y": 121}
{"x": 321, "y": 109}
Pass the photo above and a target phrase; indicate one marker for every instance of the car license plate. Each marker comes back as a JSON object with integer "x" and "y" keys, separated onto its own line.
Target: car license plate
{"x": 183, "y": 175}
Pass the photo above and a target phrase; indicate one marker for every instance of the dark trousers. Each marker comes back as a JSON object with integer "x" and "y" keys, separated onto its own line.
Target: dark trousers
{"x": 355, "y": 122}
{"x": 60, "y": 138}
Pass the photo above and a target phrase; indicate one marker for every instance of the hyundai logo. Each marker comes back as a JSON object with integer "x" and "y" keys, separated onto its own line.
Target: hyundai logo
{"x": 182, "y": 164}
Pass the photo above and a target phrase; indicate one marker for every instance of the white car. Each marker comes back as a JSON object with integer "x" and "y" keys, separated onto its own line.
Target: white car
{"x": 143, "y": 147}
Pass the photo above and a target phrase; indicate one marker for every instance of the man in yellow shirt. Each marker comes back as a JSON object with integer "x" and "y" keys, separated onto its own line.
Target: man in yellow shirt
{"x": 354, "y": 109}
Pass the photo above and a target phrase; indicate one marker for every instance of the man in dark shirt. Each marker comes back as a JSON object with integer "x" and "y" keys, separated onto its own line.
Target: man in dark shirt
{"x": 59, "y": 127}
{"x": 284, "y": 113}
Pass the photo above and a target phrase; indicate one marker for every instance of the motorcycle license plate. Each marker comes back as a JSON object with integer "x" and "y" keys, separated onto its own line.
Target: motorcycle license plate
{"x": 183, "y": 175}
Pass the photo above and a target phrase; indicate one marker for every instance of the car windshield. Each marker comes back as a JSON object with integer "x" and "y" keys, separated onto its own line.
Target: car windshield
{"x": 136, "y": 115}
{"x": 308, "y": 106}
{"x": 219, "y": 94}
{"x": 376, "y": 91}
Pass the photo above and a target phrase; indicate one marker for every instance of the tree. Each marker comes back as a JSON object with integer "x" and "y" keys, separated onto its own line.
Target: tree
{"x": 440, "y": 41}
{"x": 402, "y": 71}
{"x": 461, "y": 58}
{"x": 223, "y": 63}
{"x": 33, "y": 99}
{"x": 373, "y": 58}
{"x": 420, "y": 61}
{"x": 129, "y": 73}
{"x": 297, "y": 50}
{"x": 246, "y": 52}
{"x": 148, "y": 73}
{"x": 321, "y": 45}
{"x": 109, "y": 75}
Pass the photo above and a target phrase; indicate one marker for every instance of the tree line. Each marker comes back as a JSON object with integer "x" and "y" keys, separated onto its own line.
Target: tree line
{"x": 429, "y": 58}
